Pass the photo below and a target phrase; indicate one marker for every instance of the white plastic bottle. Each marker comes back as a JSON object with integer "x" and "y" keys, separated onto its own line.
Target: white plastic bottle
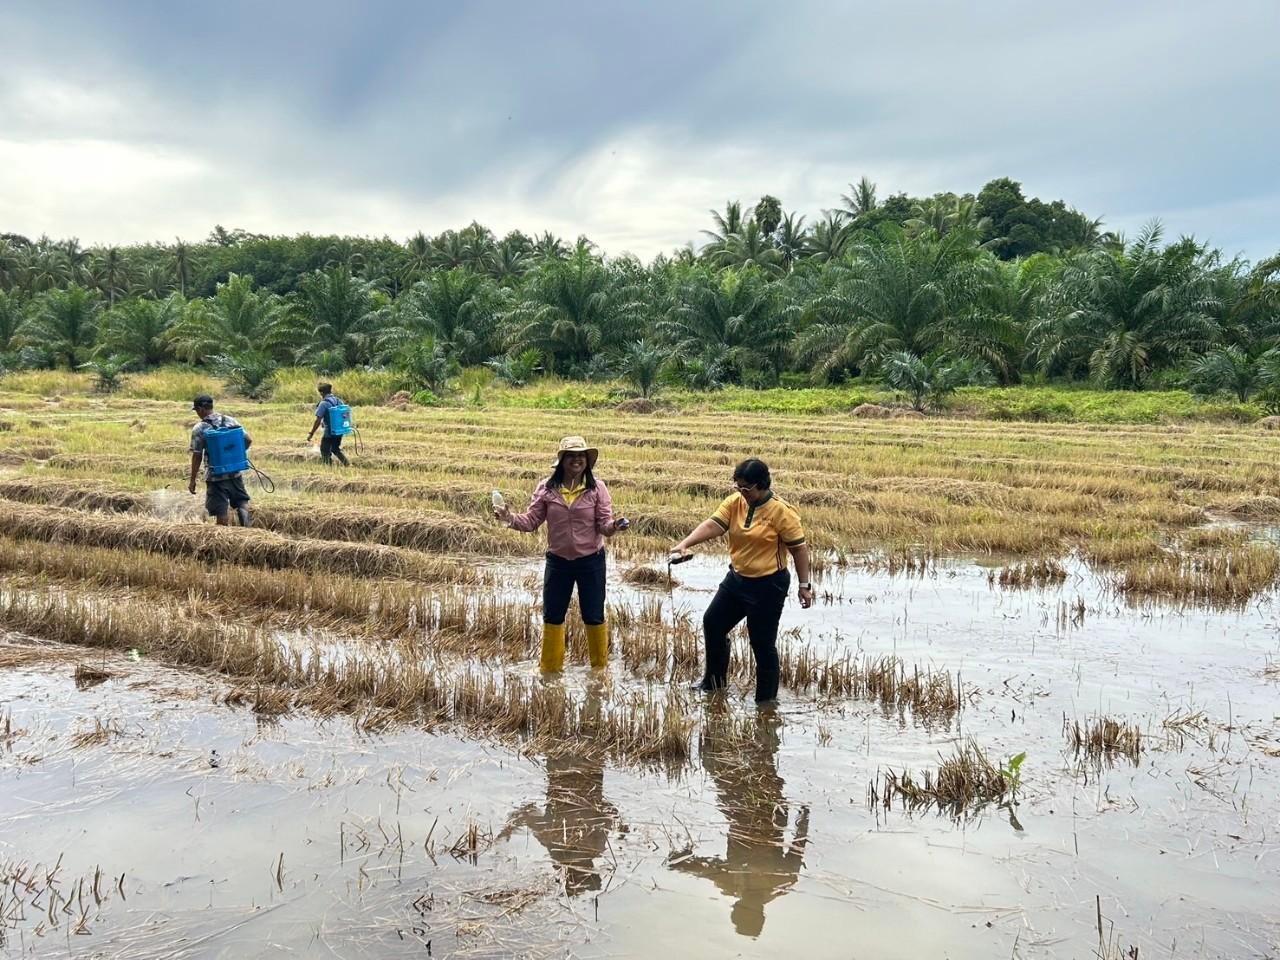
{"x": 498, "y": 502}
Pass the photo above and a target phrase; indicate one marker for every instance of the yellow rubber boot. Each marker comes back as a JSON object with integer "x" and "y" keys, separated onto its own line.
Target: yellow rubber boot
{"x": 552, "y": 648}
{"x": 598, "y": 644}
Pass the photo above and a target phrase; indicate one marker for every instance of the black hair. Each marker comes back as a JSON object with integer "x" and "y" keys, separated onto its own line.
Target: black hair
{"x": 556, "y": 480}
{"x": 325, "y": 388}
{"x": 754, "y": 472}
{"x": 202, "y": 400}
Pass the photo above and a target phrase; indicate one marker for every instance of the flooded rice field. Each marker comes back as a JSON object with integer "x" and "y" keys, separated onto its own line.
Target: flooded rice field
{"x": 145, "y": 812}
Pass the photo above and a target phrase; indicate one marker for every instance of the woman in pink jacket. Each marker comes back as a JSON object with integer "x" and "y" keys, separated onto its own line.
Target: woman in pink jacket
{"x": 579, "y": 516}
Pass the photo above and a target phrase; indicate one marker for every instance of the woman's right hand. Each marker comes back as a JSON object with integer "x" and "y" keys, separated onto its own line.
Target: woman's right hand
{"x": 502, "y": 513}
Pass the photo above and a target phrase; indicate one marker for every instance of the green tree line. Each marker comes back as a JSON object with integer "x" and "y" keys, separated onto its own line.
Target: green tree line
{"x": 923, "y": 293}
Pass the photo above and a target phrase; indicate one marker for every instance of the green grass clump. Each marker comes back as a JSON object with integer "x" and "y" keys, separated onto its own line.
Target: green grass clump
{"x": 1083, "y": 404}
{"x": 356, "y": 387}
{"x": 47, "y": 383}
{"x": 172, "y": 383}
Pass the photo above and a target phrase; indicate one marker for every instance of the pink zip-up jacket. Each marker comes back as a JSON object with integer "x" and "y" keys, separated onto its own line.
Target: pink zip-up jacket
{"x": 572, "y": 531}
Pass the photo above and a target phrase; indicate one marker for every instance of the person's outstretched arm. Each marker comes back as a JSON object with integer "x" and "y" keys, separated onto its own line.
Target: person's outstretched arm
{"x": 531, "y": 519}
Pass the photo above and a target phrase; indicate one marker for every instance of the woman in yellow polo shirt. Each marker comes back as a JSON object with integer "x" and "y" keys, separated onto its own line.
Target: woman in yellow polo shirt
{"x": 763, "y": 529}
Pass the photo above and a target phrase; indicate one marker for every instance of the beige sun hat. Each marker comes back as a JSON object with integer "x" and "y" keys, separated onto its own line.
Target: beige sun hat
{"x": 576, "y": 445}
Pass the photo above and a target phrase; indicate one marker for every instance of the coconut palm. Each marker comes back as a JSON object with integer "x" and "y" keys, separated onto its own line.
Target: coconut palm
{"x": 789, "y": 239}
{"x": 418, "y": 259}
{"x": 726, "y": 225}
{"x": 10, "y": 264}
{"x": 861, "y": 198}
{"x": 109, "y": 272}
{"x": 64, "y": 322}
{"x": 829, "y": 238}
{"x": 549, "y": 247}
{"x": 45, "y": 267}
{"x": 12, "y": 316}
{"x": 1122, "y": 315}
{"x": 182, "y": 265}
{"x": 750, "y": 247}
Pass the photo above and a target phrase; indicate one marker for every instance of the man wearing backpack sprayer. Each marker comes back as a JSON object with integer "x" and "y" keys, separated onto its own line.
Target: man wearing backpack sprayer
{"x": 223, "y": 443}
{"x": 331, "y": 441}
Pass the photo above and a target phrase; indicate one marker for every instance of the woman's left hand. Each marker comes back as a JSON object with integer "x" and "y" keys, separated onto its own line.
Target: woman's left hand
{"x": 806, "y": 597}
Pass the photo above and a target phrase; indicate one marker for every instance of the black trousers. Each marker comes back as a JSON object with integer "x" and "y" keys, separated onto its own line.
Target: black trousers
{"x": 558, "y": 580}
{"x": 758, "y": 600}
{"x": 330, "y": 447}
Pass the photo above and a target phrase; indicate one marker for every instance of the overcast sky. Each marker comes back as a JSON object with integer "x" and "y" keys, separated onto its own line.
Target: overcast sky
{"x": 129, "y": 121}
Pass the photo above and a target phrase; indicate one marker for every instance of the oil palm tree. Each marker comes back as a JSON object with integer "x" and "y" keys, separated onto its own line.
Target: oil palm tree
{"x": 339, "y": 313}
{"x": 458, "y": 309}
{"x": 571, "y": 309}
{"x": 913, "y": 293}
{"x": 138, "y": 330}
{"x": 238, "y": 319}
{"x": 729, "y": 320}
{"x": 65, "y": 322}
{"x": 1122, "y": 315}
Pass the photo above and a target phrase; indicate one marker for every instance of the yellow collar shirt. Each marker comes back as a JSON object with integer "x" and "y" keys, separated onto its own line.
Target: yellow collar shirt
{"x": 760, "y": 536}
{"x": 571, "y": 495}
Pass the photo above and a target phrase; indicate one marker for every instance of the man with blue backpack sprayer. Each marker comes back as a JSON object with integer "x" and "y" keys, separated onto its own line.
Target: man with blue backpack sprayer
{"x": 222, "y": 445}
{"x": 335, "y": 417}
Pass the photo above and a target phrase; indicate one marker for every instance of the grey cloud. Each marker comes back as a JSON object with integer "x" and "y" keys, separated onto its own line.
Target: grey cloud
{"x": 519, "y": 109}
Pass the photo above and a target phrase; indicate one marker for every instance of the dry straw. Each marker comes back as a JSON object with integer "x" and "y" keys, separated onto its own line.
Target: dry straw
{"x": 963, "y": 781}
{"x": 1229, "y": 577}
{"x": 1103, "y": 739}
{"x": 395, "y": 685}
{"x": 211, "y": 544}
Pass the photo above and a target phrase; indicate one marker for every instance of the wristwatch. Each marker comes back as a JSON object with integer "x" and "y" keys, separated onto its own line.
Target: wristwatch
{"x": 806, "y": 585}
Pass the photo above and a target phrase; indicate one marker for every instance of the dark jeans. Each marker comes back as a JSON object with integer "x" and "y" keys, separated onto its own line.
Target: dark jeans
{"x": 759, "y": 600}
{"x": 331, "y": 447}
{"x": 558, "y": 580}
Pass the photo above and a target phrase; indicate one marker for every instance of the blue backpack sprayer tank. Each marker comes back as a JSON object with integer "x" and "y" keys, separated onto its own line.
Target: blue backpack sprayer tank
{"x": 226, "y": 450}
{"x": 340, "y": 420}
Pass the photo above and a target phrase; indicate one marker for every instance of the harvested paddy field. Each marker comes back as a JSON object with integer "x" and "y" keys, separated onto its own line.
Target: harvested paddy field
{"x": 1034, "y": 713}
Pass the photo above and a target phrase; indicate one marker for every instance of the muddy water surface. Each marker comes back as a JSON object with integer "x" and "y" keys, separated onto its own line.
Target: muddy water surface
{"x": 243, "y": 838}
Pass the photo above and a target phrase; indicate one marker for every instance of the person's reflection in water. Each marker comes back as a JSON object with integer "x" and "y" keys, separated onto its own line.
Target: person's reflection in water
{"x": 758, "y": 865}
{"x": 575, "y": 823}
